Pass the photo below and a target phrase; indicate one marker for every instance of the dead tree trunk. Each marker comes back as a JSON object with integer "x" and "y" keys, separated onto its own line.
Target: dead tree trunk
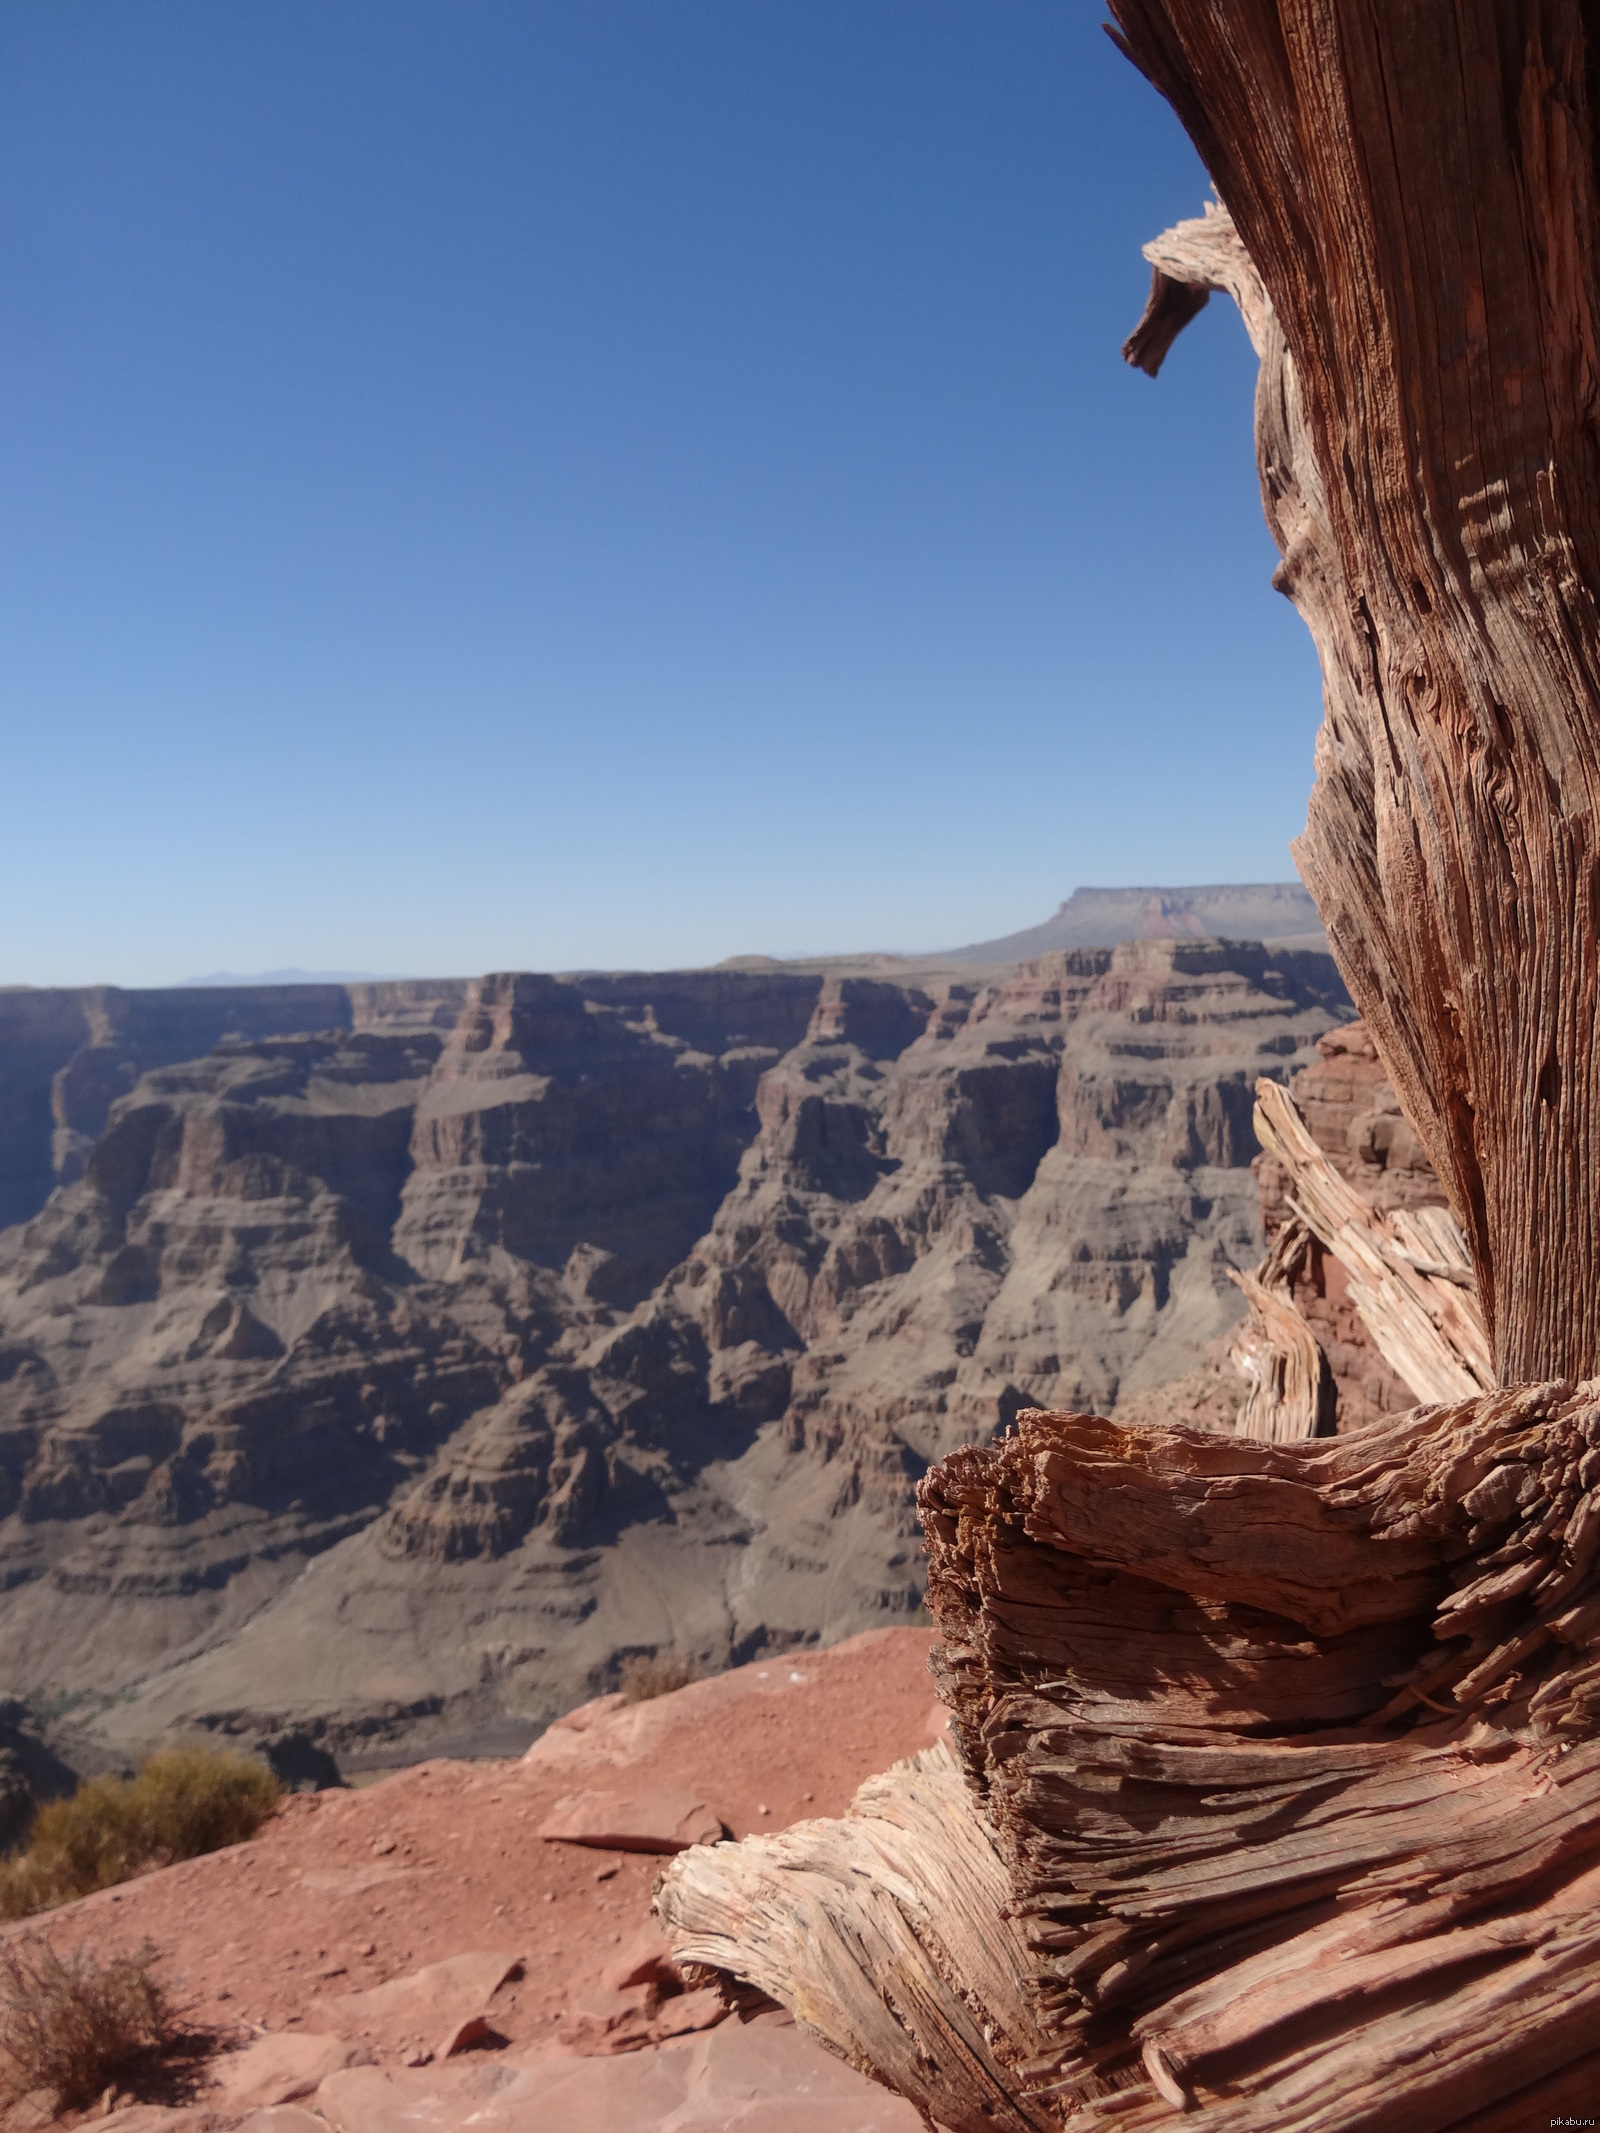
{"x": 1288, "y": 1753}
{"x": 1413, "y": 187}
{"x": 1409, "y": 1279}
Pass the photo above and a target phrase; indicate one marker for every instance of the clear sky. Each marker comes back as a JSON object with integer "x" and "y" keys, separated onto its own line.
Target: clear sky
{"x": 541, "y": 483}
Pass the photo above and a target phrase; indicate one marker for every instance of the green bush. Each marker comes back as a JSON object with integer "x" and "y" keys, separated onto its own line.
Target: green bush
{"x": 184, "y": 1801}
{"x": 75, "y": 2026}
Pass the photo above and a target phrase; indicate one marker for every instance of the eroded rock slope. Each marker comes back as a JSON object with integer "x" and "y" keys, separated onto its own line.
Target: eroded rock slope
{"x": 398, "y": 1381}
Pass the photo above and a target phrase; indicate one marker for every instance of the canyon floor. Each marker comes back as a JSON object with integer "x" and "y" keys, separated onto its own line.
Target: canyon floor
{"x": 362, "y": 1931}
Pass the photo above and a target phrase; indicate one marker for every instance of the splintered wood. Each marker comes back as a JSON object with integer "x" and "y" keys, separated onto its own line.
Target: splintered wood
{"x": 1282, "y": 1791}
{"x": 1289, "y": 1751}
{"x": 887, "y": 1932}
{"x": 1292, "y": 1393}
{"x": 1410, "y": 1279}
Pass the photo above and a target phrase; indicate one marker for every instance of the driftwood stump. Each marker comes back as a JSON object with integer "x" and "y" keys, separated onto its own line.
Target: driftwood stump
{"x": 1285, "y": 1748}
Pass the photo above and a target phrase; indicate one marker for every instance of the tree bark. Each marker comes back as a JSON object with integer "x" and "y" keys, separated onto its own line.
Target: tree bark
{"x": 1292, "y": 1394}
{"x": 1413, "y": 186}
{"x": 1290, "y": 1751}
{"x": 887, "y": 1931}
{"x": 1287, "y": 1753}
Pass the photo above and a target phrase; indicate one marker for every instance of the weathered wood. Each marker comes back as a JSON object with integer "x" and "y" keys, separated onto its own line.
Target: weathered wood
{"x": 1290, "y": 1752}
{"x": 1410, "y": 1277}
{"x": 1283, "y": 1787}
{"x": 1414, "y": 198}
{"x": 1292, "y": 1394}
{"x": 886, "y": 1933}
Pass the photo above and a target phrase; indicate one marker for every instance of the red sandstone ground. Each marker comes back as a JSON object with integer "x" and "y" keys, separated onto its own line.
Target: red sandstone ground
{"x": 341, "y": 1892}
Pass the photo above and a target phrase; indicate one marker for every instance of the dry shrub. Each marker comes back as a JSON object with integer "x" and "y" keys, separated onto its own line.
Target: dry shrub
{"x": 184, "y": 1801}
{"x": 642, "y": 1679}
{"x": 75, "y": 2026}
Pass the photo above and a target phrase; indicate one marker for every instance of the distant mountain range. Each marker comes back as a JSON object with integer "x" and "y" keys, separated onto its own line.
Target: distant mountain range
{"x": 1275, "y": 911}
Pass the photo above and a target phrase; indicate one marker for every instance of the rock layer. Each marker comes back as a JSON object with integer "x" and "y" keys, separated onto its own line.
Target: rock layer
{"x": 397, "y": 1382}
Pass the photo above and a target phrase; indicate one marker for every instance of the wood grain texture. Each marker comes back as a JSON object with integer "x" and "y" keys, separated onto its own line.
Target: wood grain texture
{"x": 1290, "y": 1753}
{"x": 1409, "y": 1273}
{"x": 886, "y": 1932}
{"x": 1287, "y": 1753}
{"x": 1292, "y": 1394}
{"x": 1413, "y": 195}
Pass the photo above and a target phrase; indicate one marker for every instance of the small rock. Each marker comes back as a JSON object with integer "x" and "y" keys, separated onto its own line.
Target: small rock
{"x": 472, "y": 2031}
{"x": 279, "y": 2068}
{"x": 447, "y": 1994}
{"x": 646, "y": 1818}
{"x": 690, "y": 2011}
{"x": 646, "y": 1960}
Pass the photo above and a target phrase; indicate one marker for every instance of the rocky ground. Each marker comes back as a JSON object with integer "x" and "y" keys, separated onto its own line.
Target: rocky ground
{"x": 382, "y": 1388}
{"x": 414, "y": 1953}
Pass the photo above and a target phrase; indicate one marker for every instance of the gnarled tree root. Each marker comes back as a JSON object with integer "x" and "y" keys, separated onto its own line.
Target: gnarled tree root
{"x": 1283, "y": 1787}
{"x": 886, "y": 1933}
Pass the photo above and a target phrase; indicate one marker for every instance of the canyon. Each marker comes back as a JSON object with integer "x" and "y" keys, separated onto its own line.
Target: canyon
{"x": 386, "y": 1367}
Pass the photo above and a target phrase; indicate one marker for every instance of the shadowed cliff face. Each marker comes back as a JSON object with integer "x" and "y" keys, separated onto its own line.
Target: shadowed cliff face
{"x": 401, "y": 1378}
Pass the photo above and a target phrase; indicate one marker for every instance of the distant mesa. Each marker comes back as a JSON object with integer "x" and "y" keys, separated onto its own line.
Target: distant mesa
{"x": 1277, "y": 912}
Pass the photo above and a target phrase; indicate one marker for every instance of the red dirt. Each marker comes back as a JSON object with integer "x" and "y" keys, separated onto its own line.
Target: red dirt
{"x": 251, "y": 1941}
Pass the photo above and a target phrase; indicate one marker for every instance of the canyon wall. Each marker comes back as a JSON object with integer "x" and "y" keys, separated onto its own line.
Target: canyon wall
{"x": 395, "y": 1376}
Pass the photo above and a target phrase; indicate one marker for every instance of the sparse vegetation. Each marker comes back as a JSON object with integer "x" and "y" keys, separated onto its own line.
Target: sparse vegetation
{"x": 643, "y": 1678}
{"x": 184, "y": 1801}
{"x": 75, "y": 2026}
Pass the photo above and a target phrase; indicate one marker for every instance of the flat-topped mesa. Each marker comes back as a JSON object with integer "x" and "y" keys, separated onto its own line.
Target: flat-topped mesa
{"x": 1099, "y": 918}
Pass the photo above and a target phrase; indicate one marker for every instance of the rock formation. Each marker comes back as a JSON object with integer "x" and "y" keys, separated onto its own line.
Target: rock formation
{"x": 396, "y": 1381}
{"x": 1278, "y": 912}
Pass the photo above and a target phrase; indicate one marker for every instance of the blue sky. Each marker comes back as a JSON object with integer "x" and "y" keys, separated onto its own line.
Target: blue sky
{"x": 496, "y": 484}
